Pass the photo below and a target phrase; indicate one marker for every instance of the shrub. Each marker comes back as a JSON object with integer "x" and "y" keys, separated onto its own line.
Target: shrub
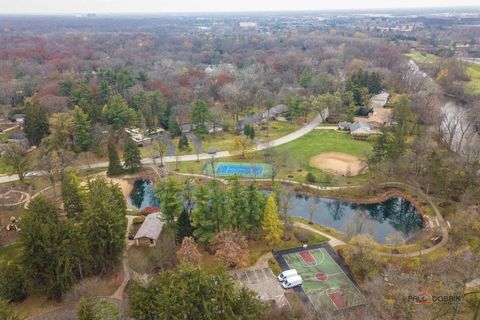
{"x": 301, "y": 236}
{"x": 311, "y": 178}
{"x": 148, "y": 210}
{"x": 12, "y": 286}
{"x": 138, "y": 220}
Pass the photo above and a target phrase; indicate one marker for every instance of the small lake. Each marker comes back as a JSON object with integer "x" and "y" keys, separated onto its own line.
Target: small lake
{"x": 393, "y": 217}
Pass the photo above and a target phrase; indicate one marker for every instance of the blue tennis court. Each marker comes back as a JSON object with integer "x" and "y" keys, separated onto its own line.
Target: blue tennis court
{"x": 225, "y": 169}
{"x": 240, "y": 169}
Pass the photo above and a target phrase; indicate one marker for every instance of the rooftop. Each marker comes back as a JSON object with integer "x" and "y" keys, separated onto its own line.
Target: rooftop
{"x": 151, "y": 227}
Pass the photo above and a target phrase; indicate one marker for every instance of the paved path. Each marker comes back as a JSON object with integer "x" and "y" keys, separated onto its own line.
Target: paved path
{"x": 331, "y": 240}
{"x": 126, "y": 269}
{"x": 204, "y": 156}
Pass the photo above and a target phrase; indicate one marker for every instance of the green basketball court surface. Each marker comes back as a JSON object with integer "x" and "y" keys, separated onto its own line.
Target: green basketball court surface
{"x": 325, "y": 283}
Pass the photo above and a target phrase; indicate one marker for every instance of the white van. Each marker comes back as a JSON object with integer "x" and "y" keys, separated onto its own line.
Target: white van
{"x": 292, "y": 281}
{"x": 287, "y": 273}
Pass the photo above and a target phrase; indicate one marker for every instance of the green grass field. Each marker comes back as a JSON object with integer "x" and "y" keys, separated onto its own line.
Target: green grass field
{"x": 324, "y": 282}
{"x": 473, "y": 70}
{"x": 420, "y": 58}
{"x": 295, "y": 156}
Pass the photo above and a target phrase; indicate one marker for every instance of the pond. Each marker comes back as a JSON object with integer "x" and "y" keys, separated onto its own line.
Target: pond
{"x": 142, "y": 195}
{"x": 393, "y": 218}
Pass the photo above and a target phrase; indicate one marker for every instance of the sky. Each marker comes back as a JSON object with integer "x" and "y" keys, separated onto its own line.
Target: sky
{"x": 161, "y": 6}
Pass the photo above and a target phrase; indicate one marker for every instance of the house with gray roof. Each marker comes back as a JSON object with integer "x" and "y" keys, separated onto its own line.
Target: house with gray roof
{"x": 149, "y": 231}
{"x": 275, "y": 112}
{"x": 358, "y": 130}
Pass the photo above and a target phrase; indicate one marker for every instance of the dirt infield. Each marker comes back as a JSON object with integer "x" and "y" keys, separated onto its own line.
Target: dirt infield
{"x": 338, "y": 163}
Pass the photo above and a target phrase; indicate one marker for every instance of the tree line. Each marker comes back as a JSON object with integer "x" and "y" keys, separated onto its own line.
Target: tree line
{"x": 58, "y": 247}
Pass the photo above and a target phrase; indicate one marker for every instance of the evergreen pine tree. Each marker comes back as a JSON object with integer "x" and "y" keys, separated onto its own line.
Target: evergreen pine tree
{"x": 183, "y": 142}
{"x": 71, "y": 193}
{"x": 184, "y": 226}
{"x": 82, "y": 130}
{"x": 114, "y": 166}
{"x": 202, "y": 219}
{"x": 271, "y": 221}
{"x": 174, "y": 127}
{"x": 131, "y": 156}
{"x": 36, "y": 125}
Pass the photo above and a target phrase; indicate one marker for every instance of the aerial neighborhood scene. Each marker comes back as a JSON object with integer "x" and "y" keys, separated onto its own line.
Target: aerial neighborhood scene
{"x": 241, "y": 160}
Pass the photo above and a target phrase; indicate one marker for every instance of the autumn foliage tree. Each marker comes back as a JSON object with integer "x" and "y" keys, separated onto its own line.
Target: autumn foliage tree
{"x": 242, "y": 144}
{"x": 232, "y": 249}
{"x": 272, "y": 224}
{"x": 188, "y": 252}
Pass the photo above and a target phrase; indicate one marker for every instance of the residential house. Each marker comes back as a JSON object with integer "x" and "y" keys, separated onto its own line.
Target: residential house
{"x": 149, "y": 231}
{"x": 358, "y": 130}
{"x": 275, "y": 112}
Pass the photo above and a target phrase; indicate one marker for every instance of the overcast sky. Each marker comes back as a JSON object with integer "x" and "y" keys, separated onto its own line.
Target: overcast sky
{"x": 159, "y": 6}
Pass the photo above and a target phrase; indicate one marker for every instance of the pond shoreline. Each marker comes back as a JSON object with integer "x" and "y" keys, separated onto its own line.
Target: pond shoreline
{"x": 387, "y": 194}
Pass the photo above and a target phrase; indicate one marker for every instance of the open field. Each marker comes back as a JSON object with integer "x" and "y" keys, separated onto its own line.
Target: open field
{"x": 292, "y": 159}
{"x": 420, "y": 58}
{"x": 326, "y": 284}
{"x": 473, "y": 70}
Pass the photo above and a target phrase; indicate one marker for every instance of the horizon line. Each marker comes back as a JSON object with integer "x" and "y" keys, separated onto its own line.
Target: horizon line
{"x": 60, "y": 13}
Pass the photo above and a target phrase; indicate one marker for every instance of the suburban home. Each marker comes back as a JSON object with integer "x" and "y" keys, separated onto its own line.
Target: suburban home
{"x": 211, "y": 127}
{"x": 142, "y": 138}
{"x": 149, "y": 231}
{"x": 358, "y": 130}
{"x": 275, "y": 112}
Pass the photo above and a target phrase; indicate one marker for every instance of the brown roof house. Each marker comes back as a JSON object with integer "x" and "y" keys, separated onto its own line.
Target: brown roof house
{"x": 149, "y": 231}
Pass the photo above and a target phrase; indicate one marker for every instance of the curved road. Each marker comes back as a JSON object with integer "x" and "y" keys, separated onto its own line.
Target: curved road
{"x": 204, "y": 156}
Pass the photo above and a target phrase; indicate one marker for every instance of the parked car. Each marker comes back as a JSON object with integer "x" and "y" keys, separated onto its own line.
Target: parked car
{"x": 31, "y": 174}
{"x": 287, "y": 273}
{"x": 293, "y": 281}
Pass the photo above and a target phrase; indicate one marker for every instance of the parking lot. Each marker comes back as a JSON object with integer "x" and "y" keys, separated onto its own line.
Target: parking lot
{"x": 263, "y": 282}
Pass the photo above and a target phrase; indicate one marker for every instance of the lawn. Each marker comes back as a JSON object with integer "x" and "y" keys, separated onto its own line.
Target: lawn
{"x": 319, "y": 141}
{"x": 420, "y": 58}
{"x": 292, "y": 158}
{"x": 473, "y": 71}
{"x": 276, "y": 129}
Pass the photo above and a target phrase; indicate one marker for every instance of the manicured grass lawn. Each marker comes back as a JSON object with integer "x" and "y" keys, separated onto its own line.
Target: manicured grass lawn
{"x": 319, "y": 141}
{"x": 276, "y": 129}
{"x": 295, "y": 155}
{"x": 473, "y": 71}
{"x": 420, "y": 58}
